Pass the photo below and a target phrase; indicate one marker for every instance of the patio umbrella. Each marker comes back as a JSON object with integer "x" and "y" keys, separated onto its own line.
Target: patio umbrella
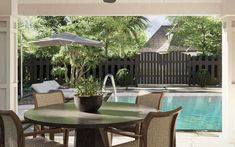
{"x": 61, "y": 39}
{"x": 66, "y": 38}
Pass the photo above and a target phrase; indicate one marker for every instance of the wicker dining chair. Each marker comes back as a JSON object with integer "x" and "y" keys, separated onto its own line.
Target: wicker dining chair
{"x": 153, "y": 99}
{"x": 12, "y": 133}
{"x": 46, "y": 99}
{"x": 157, "y": 130}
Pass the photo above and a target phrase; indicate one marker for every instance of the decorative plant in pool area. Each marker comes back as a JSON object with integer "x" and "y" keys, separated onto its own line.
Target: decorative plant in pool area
{"x": 202, "y": 77}
{"x": 123, "y": 77}
{"x": 78, "y": 59}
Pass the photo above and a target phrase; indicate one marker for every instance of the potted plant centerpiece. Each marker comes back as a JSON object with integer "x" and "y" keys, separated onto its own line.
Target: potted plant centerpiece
{"x": 89, "y": 94}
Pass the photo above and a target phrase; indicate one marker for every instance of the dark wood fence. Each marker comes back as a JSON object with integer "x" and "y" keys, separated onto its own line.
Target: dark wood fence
{"x": 111, "y": 66}
{"x": 145, "y": 68}
{"x": 154, "y": 68}
{"x": 36, "y": 70}
{"x": 176, "y": 68}
{"x": 212, "y": 64}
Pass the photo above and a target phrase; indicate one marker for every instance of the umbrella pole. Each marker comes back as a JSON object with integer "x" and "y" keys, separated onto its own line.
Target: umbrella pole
{"x": 21, "y": 66}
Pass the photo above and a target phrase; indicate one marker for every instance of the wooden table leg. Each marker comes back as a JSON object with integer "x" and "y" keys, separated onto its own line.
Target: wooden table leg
{"x": 85, "y": 137}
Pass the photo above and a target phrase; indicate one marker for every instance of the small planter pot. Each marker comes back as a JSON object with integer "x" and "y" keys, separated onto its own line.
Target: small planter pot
{"x": 88, "y": 103}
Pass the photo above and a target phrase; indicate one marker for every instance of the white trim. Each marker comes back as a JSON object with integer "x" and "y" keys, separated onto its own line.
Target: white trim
{"x": 118, "y": 1}
{"x": 103, "y": 9}
{"x": 3, "y": 29}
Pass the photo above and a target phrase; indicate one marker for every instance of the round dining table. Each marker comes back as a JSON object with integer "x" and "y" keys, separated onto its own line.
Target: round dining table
{"x": 89, "y": 127}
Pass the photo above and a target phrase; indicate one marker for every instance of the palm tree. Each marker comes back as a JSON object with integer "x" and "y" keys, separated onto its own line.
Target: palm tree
{"x": 110, "y": 29}
{"x": 130, "y": 27}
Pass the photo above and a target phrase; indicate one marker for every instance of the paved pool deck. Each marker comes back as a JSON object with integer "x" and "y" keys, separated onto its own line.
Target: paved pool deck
{"x": 184, "y": 139}
{"x": 171, "y": 89}
{"x": 151, "y": 88}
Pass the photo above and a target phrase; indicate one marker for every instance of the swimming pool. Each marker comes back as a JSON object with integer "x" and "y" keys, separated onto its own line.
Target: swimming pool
{"x": 201, "y": 111}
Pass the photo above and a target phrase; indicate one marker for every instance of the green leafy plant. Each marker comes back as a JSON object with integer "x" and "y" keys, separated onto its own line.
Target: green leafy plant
{"x": 200, "y": 32}
{"x": 202, "y": 77}
{"x": 88, "y": 87}
{"x": 123, "y": 77}
{"x": 58, "y": 71}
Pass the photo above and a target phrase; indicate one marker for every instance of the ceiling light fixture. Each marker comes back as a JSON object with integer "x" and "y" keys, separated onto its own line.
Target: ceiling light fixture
{"x": 109, "y": 1}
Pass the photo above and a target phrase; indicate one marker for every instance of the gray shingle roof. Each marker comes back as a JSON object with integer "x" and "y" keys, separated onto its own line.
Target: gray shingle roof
{"x": 161, "y": 42}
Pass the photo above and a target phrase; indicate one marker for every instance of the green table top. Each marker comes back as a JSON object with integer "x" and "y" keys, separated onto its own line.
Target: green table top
{"x": 68, "y": 116}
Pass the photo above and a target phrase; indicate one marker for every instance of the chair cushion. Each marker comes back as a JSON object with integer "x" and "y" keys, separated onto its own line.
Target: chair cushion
{"x": 68, "y": 93}
{"x": 52, "y": 84}
{"x": 41, "y": 142}
{"x": 41, "y": 88}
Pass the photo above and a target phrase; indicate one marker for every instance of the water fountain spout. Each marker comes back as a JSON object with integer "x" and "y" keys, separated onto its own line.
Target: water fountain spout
{"x": 113, "y": 85}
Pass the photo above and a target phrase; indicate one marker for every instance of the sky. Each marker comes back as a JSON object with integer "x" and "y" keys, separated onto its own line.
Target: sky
{"x": 155, "y": 23}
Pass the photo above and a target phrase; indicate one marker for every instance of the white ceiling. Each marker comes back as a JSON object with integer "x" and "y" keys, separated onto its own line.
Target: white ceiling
{"x": 118, "y": 1}
{"x": 122, "y": 7}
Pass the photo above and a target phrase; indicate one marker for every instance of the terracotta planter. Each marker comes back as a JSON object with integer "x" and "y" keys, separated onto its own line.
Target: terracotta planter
{"x": 88, "y": 103}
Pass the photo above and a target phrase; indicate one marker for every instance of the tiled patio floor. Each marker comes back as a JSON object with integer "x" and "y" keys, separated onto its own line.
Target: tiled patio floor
{"x": 183, "y": 139}
{"x": 116, "y": 140}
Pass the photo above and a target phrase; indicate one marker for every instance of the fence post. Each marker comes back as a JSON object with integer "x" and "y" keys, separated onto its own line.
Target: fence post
{"x": 137, "y": 68}
{"x": 189, "y": 68}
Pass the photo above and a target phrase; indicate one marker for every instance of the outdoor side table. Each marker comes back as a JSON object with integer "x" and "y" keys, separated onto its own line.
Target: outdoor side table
{"x": 88, "y": 126}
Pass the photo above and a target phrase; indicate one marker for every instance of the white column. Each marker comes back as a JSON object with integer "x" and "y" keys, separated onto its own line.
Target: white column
{"x": 8, "y": 55}
{"x": 229, "y": 77}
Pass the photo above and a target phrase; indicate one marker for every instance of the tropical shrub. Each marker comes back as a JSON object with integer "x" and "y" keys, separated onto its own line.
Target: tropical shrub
{"x": 202, "y": 77}
{"x": 123, "y": 77}
{"x": 58, "y": 71}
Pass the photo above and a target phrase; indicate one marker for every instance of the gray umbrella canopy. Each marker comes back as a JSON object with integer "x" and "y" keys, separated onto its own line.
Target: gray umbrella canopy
{"x": 66, "y": 39}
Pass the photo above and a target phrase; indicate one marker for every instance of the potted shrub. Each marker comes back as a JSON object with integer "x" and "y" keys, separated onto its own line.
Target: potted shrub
{"x": 89, "y": 94}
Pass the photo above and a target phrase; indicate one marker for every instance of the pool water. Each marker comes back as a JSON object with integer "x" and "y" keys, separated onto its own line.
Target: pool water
{"x": 200, "y": 111}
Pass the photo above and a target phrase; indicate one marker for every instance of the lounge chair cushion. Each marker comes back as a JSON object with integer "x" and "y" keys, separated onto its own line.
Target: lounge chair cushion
{"x": 52, "y": 84}
{"x": 48, "y": 86}
{"x": 68, "y": 93}
{"x": 41, "y": 88}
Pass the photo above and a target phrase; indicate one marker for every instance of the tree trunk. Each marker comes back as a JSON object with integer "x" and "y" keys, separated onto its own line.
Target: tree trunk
{"x": 66, "y": 73}
{"x": 77, "y": 73}
{"x": 106, "y": 51}
{"x": 81, "y": 72}
{"x": 72, "y": 74}
{"x": 106, "y": 47}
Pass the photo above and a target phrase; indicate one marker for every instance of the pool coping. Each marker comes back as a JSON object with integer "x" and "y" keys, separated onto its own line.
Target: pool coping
{"x": 198, "y": 134}
{"x": 172, "y": 89}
